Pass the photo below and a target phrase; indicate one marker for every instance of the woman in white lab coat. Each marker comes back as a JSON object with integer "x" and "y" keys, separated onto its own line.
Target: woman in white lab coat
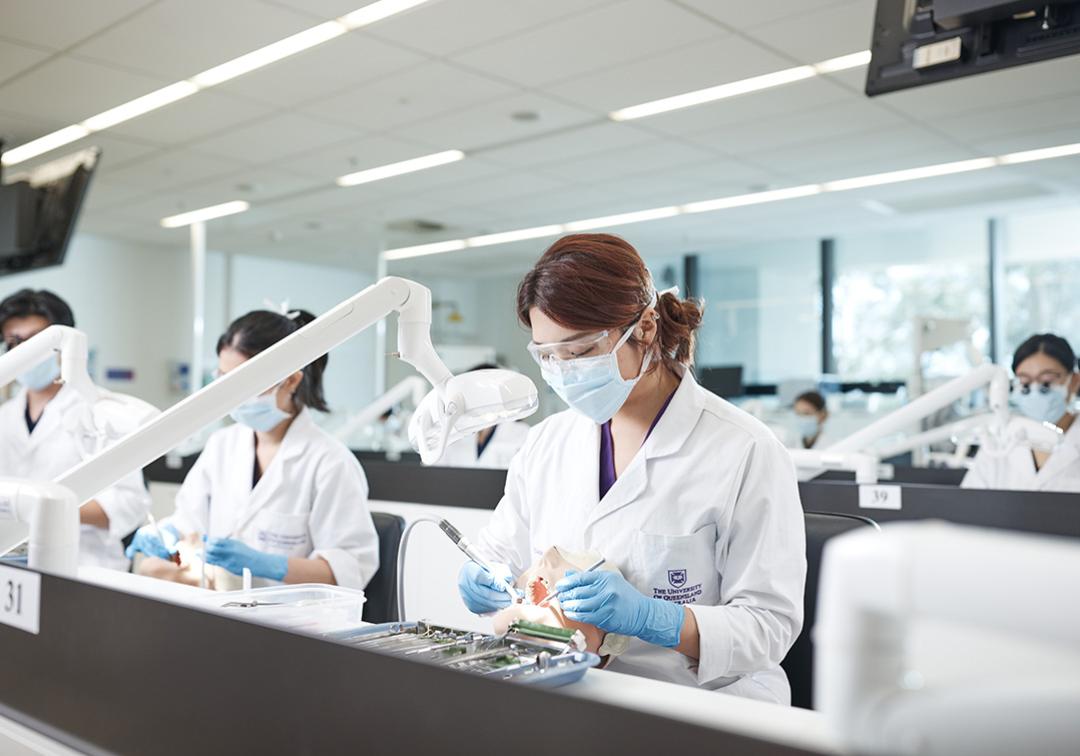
{"x": 37, "y": 440}
{"x": 1046, "y": 383}
{"x": 274, "y": 493}
{"x": 692, "y": 499}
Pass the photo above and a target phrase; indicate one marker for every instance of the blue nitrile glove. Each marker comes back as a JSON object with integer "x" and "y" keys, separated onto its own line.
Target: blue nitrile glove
{"x": 606, "y": 599}
{"x": 234, "y": 556}
{"x": 483, "y": 592}
{"x": 147, "y": 541}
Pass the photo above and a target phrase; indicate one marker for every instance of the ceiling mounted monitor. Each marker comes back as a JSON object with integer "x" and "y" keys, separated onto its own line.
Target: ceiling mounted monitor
{"x": 919, "y": 42}
{"x": 38, "y": 210}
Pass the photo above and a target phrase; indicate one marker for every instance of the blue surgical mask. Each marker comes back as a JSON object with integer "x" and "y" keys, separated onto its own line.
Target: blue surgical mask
{"x": 260, "y": 413}
{"x": 593, "y": 385}
{"x": 41, "y": 376}
{"x": 1045, "y": 406}
{"x": 807, "y": 425}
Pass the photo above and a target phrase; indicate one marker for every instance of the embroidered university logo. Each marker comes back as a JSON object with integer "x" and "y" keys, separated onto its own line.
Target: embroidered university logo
{"x": 677, "y": 578}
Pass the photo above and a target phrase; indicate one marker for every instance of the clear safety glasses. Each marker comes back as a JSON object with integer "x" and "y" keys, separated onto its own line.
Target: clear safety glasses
{"x": 592, "y": 345}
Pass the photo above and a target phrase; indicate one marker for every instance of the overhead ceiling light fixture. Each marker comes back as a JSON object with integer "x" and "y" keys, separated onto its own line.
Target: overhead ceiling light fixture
{"x": 204, "y": 214}
{"x": 740, "y": 87}
{"x": 397, "y": 169}
{"x": 211, "y": 77}
{"x": 742, "y": 200}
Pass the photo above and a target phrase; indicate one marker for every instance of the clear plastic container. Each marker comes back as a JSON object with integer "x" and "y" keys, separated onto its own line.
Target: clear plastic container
{"x": 310, "y": 608}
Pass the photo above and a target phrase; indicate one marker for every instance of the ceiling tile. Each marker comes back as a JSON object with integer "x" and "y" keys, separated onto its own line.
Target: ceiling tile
{"x": 491, "y": 123}
{"x": 273, "y": 138}
{"x": 491, "y": 191}
{"x": 58, "y": 24}
{"x": 705, "y": 64}
{"x": 70, "y": 90}
{"x": 179, "y": 38}
{"x": 443, "y": 28}
{"x": 746, "y": 15}
{"x": 327, "y": 69}
{"x": 427, "y": 91}
{"x": 826, "y": 33}
{"x": 16, "y": 58}
{"x": 173, "y": 168}
{"x": 424, "y": 182}
{"x": 202, "y": 114}
{"x": 357, "y": 154}
{"x": 570, "y": 48}
{"x": 603, "y": 165}
{"x": 978, "y": 126}
{"x": 583, "y": 141}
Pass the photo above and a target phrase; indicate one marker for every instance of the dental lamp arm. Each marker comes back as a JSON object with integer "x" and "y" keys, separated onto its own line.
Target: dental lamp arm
{"x": 265, "y": 370}
{"x": 929, "y": 403}
{"x": 413, "y": 388}
{"x": 865, "y": 466}
{"x": 72, "y": 346}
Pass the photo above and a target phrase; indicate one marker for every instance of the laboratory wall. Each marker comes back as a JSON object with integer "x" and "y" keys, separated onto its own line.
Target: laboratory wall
{"x": 134, "y": 303}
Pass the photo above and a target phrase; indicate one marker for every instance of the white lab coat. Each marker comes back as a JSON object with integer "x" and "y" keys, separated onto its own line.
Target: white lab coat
{"x": 501, "y": 448}
{"x": 52, "y": 450}
{"x": 1015, "y": 471}
{"x": 311, "y": 502}
{"x": 707, "y": 512}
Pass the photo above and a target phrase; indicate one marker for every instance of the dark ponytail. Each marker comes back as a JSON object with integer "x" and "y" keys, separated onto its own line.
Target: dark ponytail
{"x": 259, "y": 330}
{"x": 679, "y": 321}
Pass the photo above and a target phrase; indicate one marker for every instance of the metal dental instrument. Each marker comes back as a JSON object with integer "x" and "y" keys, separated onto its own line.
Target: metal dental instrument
{"x": 466, "y": 548}
{"x": 590, "y": 568}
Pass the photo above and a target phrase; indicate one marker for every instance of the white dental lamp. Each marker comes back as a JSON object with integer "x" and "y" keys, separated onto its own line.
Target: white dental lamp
{"x": 932, "y": 638}
{"x": 456, "y": 407}
{"x": 998, "y": 429}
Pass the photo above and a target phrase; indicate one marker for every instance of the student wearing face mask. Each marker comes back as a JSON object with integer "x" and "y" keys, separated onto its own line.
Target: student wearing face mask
{"x": 36, "y": 442}
{"x": 694, "y": 501}
{"x": 1045, "y": 385}
{"x": 274, "y": 493}
{"x": 810, "y": 416}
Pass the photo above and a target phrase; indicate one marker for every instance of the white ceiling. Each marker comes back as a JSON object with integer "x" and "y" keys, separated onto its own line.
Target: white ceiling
{"x": 453, "y": 72}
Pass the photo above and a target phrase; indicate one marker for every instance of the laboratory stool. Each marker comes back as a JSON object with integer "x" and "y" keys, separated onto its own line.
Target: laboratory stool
{"x": 799, "y": 662}
{"x": 381, "y": 592}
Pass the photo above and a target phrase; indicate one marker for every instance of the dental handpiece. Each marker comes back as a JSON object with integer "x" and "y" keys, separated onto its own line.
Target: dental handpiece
{"x": 466, "y": 548}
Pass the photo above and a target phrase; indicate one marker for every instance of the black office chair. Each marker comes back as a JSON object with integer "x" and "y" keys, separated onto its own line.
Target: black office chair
{"x": 799, "y": 663}
{"x": 381, "y": 592}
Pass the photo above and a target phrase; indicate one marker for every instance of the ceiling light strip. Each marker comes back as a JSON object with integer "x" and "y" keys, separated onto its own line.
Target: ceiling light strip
{"x": 205, "y": 214}
{"x": 396, "y": 169}
{"x": 739, "y": 200}
{"x": 211, "y": 77}
{"x": 741, "y": 87}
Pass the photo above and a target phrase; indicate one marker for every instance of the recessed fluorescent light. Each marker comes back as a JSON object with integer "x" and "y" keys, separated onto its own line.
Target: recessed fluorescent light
{"x": 720, "y": 92}
{"x": 741, "y": 200}
{"x": 396, "y": 169}
{"x": 425, "y": 249}
{"x": 756, "y": 198}
{"x": 44, "y": 144}
{"x": 741, "y": 87}
{"x": 275, "y": 51}
{"x": 205, "y": 214}
{"x": 622, "y": 219}
{"x": 843, "y": 63}
{"x": 377, "y": 11}
{"x": 140, "y": 105}
{"x": 512, "y": 236}
{"x": 1029, "y": 156}
{"x": 909, "y": 174}
{"x": 272, "y": 53}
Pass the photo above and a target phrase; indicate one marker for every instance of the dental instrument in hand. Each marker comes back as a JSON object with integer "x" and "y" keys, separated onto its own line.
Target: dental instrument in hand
{"x": 174, "y": 556}
{"x": 466, "y": 548}
{"x": 554, "y": 594}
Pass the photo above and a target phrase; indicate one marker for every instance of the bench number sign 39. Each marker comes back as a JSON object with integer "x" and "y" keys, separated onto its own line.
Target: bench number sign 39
{"x": 20, "y": 599}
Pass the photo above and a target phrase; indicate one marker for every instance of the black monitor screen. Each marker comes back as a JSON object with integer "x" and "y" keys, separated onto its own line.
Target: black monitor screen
{"x": 724, "y": 381}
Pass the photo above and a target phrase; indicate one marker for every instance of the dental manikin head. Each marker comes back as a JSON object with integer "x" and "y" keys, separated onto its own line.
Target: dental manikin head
{"x": 188, "y": 572}
{"x": 538, "y": 581}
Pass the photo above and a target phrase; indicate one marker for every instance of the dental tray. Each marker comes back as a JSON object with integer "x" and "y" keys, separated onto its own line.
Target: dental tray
{"x": 306, "y": 608}
{"x": 528, "y": 654}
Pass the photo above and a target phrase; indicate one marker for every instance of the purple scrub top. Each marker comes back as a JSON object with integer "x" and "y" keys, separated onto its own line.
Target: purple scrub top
{"x": 607, "y": 449}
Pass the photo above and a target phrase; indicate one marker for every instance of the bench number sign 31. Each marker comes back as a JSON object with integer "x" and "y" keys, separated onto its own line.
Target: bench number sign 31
{"x": 20, "y": 599}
